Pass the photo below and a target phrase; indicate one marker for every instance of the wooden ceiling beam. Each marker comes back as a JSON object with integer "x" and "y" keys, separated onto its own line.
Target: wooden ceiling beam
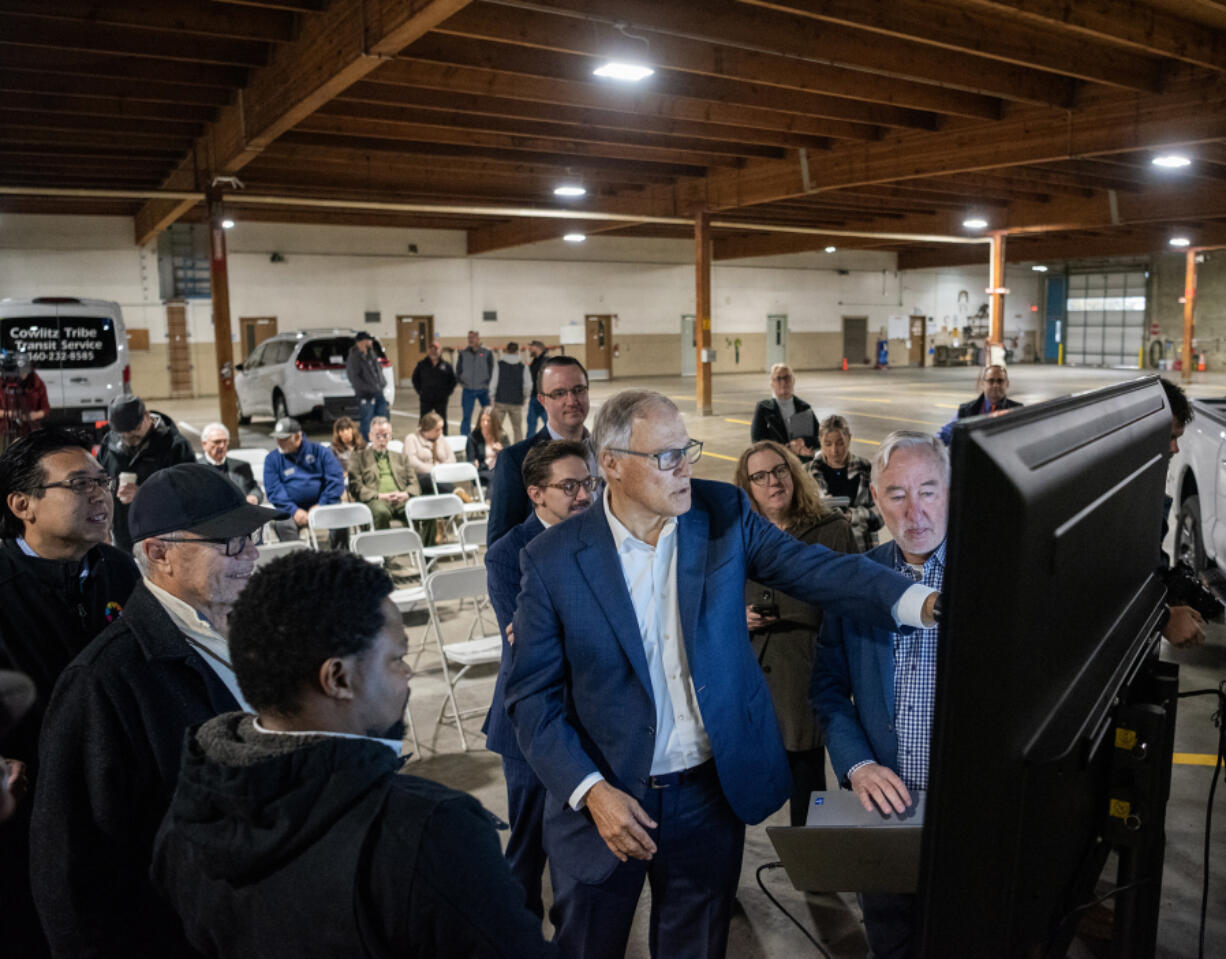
{"x": 177, "y": 95}
{"x": 956, "y": 28}
{"x": 1141, "y": 26}
{"x": 444, "y": 52}
{"x": 733, "y": 25}
{"x": 328, "y": 217}
{"x": 342, "y": 45}
{"x": 107, "y": 106}
{"x": 386, "y": 93}
{"x": 14, "y": 134}
{"x": 98, "y": 38}
{"x": 290, "y": 6}
{"x": 158, "y": 127}
{"x": 75, "y": 64}
{"x": 744, "y": 245}
{"x": 594, "y": 39}
{"x": 66, "y": 206}
{"x": 183, "y": 18}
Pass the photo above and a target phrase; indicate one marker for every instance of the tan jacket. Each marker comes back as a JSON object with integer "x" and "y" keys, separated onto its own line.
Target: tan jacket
{"x": 364, "y": 474}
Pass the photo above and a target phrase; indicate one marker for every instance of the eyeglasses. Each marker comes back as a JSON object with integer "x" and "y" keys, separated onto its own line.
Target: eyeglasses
{"x": 233, "y": 546}
{"x": 570, "y": 487}
{"x": 762, "y": 477}
{"x": 668, "y": 460}
{"x": 578, "y": 392}
{"x": 84, "y": 485}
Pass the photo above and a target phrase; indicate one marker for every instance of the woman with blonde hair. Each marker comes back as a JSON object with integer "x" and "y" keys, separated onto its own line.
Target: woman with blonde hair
{"x": 843, "y": 476}
{"x": 426, "y": 449}
{"x": 784, "y": 630}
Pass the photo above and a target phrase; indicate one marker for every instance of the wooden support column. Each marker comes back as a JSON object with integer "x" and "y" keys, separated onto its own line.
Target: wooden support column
{"x": 1189, "y": 312}
{"x": 219, "y": 283}
{"x": 702, "y": 309}
{"x": 996, "y": 294}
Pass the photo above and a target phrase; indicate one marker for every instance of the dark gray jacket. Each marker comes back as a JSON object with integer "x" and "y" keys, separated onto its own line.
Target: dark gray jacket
{"x": 365, "y": 374}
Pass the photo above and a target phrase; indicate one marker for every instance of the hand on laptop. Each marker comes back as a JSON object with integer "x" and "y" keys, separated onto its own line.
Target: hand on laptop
{"x": 880, "y": 785}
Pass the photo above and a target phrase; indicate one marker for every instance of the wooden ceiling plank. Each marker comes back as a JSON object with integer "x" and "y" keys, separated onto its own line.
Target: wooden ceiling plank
{"x": 984, "y": 35}
{"x": 1140, "y": 26}
{"x": 74, "y": 64}
{"x": 290, "y": 6}
{"x": 528, "y": 110}
{"x": 744, "y": 245}
{"x": 106, "y": 106}
{"x": 33, "y": 119}
{"x": 732, "y": 24}
{"x": 441, "y": 52}
{"x": 15, "y": 134}
{"x": 99, "y": 38}
{"x": 334, "y": 50}
{"x": 183, "y": 18}
{"x": 30, "y": 83}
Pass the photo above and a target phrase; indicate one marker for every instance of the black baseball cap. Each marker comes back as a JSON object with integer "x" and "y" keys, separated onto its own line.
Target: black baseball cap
{"x": 362, "y": 335}
{"x": 194, "y": 498}
{"x": 126, "y": 413}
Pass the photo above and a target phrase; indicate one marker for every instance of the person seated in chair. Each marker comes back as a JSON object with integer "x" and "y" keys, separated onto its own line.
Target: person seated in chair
{"x": 383, "y": 479}
{"x": 300, "y": 475}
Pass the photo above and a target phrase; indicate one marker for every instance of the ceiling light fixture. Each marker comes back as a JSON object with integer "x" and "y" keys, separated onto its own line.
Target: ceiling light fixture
{"x": 227, "y": 224}
{"x": 569, "y": 190}
{"x": 831, "y": 249}
{"x": 1180, "y": 241}
{"x": 574, "y": 237}
{"x": 1039, "y": 268}
{"x": 620, "y": 70}
{"x": 1171, "y": 161}
{"x": 975, "y": 223}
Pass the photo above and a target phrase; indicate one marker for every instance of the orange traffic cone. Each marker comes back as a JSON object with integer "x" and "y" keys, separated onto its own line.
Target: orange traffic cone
{"x": 844, "y": 364}
{"x": 1200, "y": 366}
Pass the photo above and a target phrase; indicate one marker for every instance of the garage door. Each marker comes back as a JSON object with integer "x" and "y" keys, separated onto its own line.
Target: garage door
{"x": 1105, "y": 325}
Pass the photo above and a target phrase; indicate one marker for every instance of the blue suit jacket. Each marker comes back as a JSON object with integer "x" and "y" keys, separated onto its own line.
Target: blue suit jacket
{"x": 579, "y": 690}
{"x": 853, "y": 687}
{"x": 502, "y": 578}
{"x": 509, "y": 503}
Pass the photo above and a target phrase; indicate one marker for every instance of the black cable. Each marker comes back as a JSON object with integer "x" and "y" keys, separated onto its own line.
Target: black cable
{"x": 779, "y": 905}
{"x": 1078, "y": 910}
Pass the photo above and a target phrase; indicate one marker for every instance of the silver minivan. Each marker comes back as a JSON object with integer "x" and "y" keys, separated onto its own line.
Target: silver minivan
{"x": 78, "y": 347}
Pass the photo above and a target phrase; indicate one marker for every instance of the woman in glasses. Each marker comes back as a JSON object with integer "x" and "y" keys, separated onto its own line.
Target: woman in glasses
{"x": 784, "y": 630}
{"x": 843, "y": 478}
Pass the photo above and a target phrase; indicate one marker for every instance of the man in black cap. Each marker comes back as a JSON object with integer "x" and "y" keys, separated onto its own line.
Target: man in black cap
{"x": 136, "y": 446}
{"x": 366, "y": 378}
{"x": 60, "y": 585}
{"x": 115, "y": 723}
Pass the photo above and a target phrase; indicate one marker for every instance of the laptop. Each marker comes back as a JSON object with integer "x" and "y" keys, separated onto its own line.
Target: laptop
{"x": 844, "y": 848}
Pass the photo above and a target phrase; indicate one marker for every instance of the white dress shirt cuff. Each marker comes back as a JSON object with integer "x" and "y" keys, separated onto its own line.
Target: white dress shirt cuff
{"x": 909, "y": 610}
{"x": 579, "y": 796}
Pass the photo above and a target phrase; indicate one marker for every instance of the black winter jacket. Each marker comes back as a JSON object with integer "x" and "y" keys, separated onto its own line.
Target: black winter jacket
{"x": 312, "y": 847}
{"x": 111, "y": 743}
{"x": 434, "y": 382}
{"x": 162, "y": 446}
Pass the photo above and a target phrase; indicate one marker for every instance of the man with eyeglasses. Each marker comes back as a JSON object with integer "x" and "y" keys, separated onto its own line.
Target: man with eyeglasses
{"x": 383, "y": 478}
{"x": 995, "y": 383}
{"x": 115, "y": 722}
{"x": 562, "y": 389}
{"x": 60, "y": 585}
{"x": 782, "y": 417}
{"x": 634, "y": 691}
{"x": 559, "y": 484}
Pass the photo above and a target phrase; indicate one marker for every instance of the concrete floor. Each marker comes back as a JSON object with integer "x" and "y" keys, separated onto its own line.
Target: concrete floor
{"x": 874, "y": 403}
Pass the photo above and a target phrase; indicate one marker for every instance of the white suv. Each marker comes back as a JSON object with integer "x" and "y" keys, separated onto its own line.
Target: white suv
{"x": 302, "y": 373}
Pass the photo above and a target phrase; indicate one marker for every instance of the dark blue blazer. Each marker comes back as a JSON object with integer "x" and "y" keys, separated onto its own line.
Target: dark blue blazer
{"x": 579, "y": 690}
{"x": 853, "y": 687}
{"x": 502, "y": 578}
{"x": 509, "y": 503}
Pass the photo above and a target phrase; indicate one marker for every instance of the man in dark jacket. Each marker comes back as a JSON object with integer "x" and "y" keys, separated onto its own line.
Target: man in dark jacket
{"x": 291, "y": 833}
{"x": 215, "y": 439}
{"x": 510, "y": 386}
{"x": 136, "y": 446}
{"x": 435, "y": 381}
{"x": 993, "y": 399}
{"x": 60, "y": 585}
{"x": 366, "y": 378}
{"x": 115, "y": 723}
{"x": 536, "y": 413}
{"x": 773, "y": 418}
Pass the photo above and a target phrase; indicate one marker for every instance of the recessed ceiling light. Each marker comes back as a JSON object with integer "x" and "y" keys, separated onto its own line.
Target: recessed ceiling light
{"x": 227, "y": 224}
{"x": 569, "y": 190}
{"x": 975, "y": 223}
{"x": 619, "y": 70}
{"x": 1039, "y": 268}
{"x": 1179, "y": 241}
{"x": 574, "y": 237}
{"x": 1172, "y": 161}
{"x": 831, "y": 249}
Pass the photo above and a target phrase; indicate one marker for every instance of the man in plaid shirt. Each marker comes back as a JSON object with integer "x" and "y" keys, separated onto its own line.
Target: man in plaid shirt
{"x": 873, "y": 690}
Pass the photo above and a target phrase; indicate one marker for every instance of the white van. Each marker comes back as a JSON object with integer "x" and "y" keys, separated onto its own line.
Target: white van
{"x": 79, "y": 349}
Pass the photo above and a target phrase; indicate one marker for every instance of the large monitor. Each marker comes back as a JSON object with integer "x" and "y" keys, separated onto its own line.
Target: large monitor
{"x": 1051, "y": 607}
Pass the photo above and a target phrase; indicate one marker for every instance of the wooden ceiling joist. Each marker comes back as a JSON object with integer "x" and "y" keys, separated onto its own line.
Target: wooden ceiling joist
{"x": 199, "y": 19}
{"x": 72, "y": 63}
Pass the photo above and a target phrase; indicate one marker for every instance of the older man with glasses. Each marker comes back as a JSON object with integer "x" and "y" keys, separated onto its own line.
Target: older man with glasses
{"x": 60, "y": 585}
{"x": 115, "y": 723}
{"x": 634, "y": 691}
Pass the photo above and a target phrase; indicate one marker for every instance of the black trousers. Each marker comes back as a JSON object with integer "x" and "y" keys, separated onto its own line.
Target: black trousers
{"x": 435, "y": 406}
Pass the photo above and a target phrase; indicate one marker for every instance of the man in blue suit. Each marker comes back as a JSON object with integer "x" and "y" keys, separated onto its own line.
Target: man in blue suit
{"x": 873, "y": 688}
{"x": 635, "y": 694}
{"x": 559, "y": 485}
{"x": 562, "y": 390}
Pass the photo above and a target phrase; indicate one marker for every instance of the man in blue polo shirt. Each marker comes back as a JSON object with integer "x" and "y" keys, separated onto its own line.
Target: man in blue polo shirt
{"x": 299, "y": 475}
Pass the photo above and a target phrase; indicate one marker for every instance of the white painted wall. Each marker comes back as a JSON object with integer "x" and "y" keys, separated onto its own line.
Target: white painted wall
{"x": 935, "y": 293}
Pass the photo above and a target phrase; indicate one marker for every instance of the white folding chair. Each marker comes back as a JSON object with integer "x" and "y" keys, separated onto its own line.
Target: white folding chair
{"x": 385, "y": 543}
{"x": 447, "y": 507}
{"x": 267, "y": 552}
{"x": 473, "y": 536}
{"x": 477, "y": 648}
{"x": 461, "y": 473}
{"x": 458, "y": 444}
{"x": 338, "y": 516}
{"x": 255, "y": 457}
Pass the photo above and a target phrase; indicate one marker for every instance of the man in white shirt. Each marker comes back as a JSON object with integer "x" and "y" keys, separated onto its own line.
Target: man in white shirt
{"x": 634, "y": 691}
{"x": 115, "y": 722}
